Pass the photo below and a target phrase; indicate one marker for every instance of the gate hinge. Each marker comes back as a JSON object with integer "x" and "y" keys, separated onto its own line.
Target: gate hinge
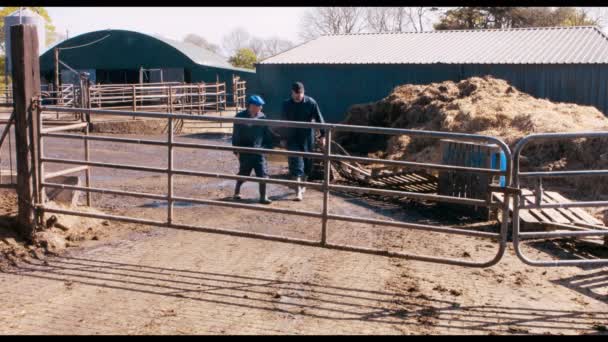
{"x": 36, "y": 100}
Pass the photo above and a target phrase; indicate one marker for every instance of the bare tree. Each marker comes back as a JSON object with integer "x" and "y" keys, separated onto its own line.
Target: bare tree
{"x": 398, "y": 19}
{"x": 201, "y": 42}
{"x": 377, "y": 19}
{"x": 257, "y": 45}
{"x": 331, "y": 20}
{"x": 237, "y": 39}
{"x": 274, "y": 46}
{"x": 419, "y": 17}
{"x": 597, "y": 14}
{"x": 264, "y": 48}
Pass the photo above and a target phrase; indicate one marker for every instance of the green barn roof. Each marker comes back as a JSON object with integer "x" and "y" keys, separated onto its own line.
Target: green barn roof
{"x": 122, "y": 49}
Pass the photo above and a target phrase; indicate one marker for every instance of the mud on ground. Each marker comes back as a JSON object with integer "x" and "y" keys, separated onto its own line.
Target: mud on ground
{"x": 151, "y": 280}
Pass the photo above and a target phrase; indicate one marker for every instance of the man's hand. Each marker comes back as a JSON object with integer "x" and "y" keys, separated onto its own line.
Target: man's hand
{"x": 323, "y": 142}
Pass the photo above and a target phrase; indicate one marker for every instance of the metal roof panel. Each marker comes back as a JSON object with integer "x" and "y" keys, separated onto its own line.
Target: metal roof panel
{"x": 561, "y": 45}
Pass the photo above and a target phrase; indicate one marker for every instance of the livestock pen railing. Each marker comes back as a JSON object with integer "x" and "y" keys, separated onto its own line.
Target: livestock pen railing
{"x": 327, "y": 156}
{"x": 195, "y": 98}
{"x": 575, "y": 228}
{"x": 239, "y": 90}
{"x": 6, "y": 96}
{"x": 67, "y": 95}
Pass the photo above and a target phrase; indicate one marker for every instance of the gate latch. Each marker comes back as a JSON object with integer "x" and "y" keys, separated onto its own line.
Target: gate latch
{"x": 505, "y": 189}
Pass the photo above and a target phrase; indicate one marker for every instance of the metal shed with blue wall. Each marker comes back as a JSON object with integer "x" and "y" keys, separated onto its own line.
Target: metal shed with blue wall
{"x": 115, "y": 56}
{"x": 562, "y": 64}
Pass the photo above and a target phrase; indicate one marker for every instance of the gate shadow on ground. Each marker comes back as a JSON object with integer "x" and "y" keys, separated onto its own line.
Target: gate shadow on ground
{"x": 588, "y": 284}
{"x": 305, "y": 299}
{"x": 573, "y": 249}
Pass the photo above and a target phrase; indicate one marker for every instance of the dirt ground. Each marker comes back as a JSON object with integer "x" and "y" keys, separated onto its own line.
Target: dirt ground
{"x": 149, "y": 280}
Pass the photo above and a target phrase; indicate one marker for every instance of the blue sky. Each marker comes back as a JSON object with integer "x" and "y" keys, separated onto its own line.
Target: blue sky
{"x": 175, "y": 22}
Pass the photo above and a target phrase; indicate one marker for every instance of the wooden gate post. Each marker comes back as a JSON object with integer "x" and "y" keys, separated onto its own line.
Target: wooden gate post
{"x": 26, "y": 88}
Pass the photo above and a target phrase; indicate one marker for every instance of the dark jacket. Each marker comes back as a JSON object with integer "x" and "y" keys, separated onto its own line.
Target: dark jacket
{"x": 305, "y": 111}
{"x": 251, "y": 135}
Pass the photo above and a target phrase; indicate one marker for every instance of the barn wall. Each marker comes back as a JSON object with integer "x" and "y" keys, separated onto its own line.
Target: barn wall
{"x": 337, "y": 87}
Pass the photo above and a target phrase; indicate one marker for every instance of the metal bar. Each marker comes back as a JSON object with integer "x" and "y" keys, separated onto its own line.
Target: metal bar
{"x": 432, "y": 197}
{"x": 567, "y": 205}
{"x": 278, "y": 152}
{"x": 86, "y": 103}
{"x": 109, "y": 165}
{"x": 170, "y": 171}
{"x": 178, "y": 172}
{"x": 64, "y": 128}
{"x": 394, "y": 254}
{"x": 184, "y": 226}
{"x": 268, "y": 237}
{"x": 326, "y": 183}
{"x": 245, "y": 178}
{"x": 249, "y": 206}
{"x": 41, "y": 192}
{"x": 314, "y": 155}
{"x": 419, "y": 165}
{"x": 298, "y": 124}
{"x": 107, "y": 139}
{"x": 438, "y": 229}
{"x": 548, "y": 174}
{"x": 571, "y": 226}
{"x": 7, "y": 128}
{"x": 105, "y": 191}
{"x": 65, "y": 172}
{"x": 535, "y": 235}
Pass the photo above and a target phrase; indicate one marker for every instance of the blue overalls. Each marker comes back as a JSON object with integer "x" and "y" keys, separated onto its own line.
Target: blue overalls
{"x": 252, "y": 136}
{"x": 301, "y": 139}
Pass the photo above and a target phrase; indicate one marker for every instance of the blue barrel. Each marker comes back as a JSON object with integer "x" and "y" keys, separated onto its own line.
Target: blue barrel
{"x": 499, "y": 161}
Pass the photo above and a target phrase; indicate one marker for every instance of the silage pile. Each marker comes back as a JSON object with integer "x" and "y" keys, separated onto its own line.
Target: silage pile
{"x": 478, "y": 105}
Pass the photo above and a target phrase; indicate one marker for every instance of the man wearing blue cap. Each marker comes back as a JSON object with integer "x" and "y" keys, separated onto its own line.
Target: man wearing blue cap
{"x": 248, "y": 135}
{"x": 300, "y": 107}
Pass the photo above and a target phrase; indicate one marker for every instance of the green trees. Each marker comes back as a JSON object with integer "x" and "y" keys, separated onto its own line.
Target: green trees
{"x": 244, "y": 58}
{"x": 512, "y": 17}
{"x": 48, "y": 23}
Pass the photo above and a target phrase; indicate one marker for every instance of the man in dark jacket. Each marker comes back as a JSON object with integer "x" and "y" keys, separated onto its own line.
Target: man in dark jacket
{"x": 300, "y": 107}
{"x": 247, "y": 135}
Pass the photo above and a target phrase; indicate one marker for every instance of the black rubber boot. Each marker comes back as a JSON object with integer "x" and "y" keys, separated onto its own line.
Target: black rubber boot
{"x": 263, "y": 197}
{"x": 237, "y": 190}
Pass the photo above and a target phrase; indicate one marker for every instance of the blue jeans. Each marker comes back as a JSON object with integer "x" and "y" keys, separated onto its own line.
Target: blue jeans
{"x": 300, "y": 166}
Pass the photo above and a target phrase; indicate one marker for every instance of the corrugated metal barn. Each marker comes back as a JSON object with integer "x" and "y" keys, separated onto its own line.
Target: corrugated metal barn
{"x": 115, "y": 56}
{"x": 566, "y": 64}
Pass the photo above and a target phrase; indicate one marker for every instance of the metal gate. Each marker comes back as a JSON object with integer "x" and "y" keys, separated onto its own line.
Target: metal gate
{"x": 574, "y": 229}
{"x": 327, "y": 156}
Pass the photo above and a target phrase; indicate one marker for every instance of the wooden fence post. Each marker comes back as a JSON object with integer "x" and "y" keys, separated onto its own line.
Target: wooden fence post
{"x": 26, "y": 87}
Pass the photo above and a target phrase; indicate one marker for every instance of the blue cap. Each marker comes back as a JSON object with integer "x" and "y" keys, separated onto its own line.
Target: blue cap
{"x": 256, "y": 100}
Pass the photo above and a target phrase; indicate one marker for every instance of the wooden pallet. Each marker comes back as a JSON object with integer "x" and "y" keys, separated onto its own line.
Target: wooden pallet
{"x": 406, "y": 180}
{"x": 552, "y": 218}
